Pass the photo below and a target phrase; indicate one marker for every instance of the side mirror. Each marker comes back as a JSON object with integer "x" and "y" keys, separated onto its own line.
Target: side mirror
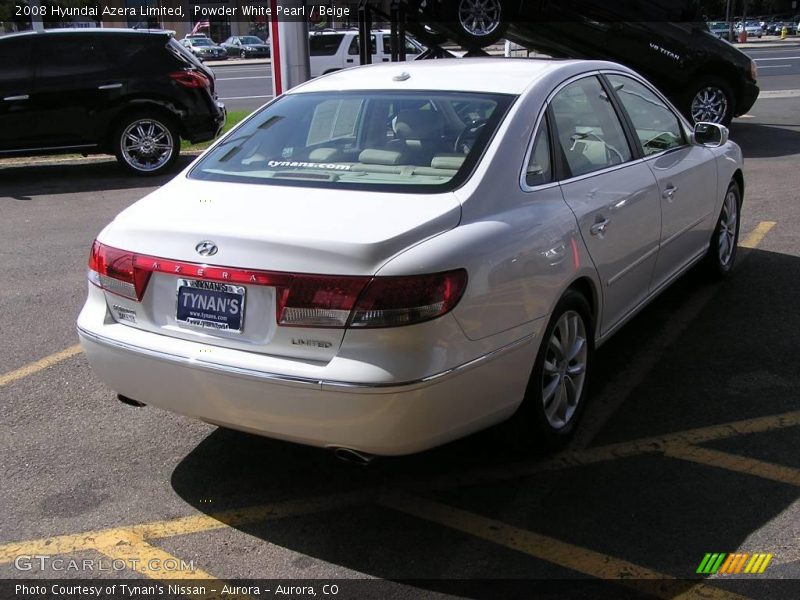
{"x": 710, "y": 135}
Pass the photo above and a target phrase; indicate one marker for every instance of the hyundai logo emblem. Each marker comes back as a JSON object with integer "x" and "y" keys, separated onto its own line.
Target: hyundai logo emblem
{"x": 206, "y": 248}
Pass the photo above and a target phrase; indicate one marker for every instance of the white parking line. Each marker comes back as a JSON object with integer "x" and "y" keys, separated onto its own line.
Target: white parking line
{"x": 778, "y": 58}
{"x": 237, "y": 78}
{"x": 774, "y": 67}
{"x": 245, "y": 97}
{"x": 772, "y": 94}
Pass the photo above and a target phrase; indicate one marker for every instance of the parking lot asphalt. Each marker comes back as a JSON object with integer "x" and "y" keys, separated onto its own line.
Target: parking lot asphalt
{"x": 689, "y": 446}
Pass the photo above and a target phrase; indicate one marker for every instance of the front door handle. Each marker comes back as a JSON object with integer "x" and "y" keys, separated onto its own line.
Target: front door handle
{"x": 599, "y": 228}
{"x": 110, "y": 86}
{"x": 15, "y": 98}
{"x": 669, "y": 193}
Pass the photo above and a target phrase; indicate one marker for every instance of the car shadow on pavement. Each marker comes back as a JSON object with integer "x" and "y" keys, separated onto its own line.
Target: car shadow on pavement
{"x": 22, "y": 181}
{"x": 734, "y": 359}
{"x": 764, "y": 140}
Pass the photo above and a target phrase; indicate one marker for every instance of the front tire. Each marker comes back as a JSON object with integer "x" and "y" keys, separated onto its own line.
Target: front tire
{"x": 146, "y": 143}
{"x": 558, "y": 386}
{"x": 721, "y": 255}
{"x": 711, "y": 100}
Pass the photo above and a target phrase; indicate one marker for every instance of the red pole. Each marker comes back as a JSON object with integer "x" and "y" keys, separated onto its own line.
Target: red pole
{"x": 277, "y": 84}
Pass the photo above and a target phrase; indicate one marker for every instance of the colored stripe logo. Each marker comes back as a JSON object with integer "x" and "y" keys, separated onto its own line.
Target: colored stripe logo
{"x": 735, "y": 563}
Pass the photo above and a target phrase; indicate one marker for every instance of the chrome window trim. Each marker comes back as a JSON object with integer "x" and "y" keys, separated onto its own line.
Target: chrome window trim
{"x": 523, "y": 182}
{"x": 523, "y": 176}
{"x": 320, "y": 384}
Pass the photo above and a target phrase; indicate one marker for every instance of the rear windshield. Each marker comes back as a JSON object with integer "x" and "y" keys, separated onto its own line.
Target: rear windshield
{"x": 419, "y": 141}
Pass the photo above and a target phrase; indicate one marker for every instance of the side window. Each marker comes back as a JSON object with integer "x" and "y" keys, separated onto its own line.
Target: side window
{"x": 71, "y": 56}
{"x": 16, "y": 63}
{"x": 353, "y": 49}
{"x": 539, "y": 170}
{"x": 589, "y": 131}
{"x": 324, "y": 45}
{"x": 656, "y": 126}
{"x": 410, "y": 48}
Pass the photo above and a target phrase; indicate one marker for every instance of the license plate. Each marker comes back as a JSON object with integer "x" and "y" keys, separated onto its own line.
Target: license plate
{"x": 211, "y": 305}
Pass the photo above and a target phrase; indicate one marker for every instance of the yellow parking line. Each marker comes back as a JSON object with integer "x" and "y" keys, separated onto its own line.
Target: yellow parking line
{"x": 64, "y": 544}
{"x": 576, "y": 458}
{"x": 92, "y": 540}
{"x": 758, "y": 234}
{"x": 161, "y": 565}
{"x": 733, "y": 462}
{"x": 39, "y": 365}
{"x": 542, "y": 547}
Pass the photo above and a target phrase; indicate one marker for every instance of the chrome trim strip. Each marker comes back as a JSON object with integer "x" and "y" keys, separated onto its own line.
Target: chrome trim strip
{"x": 632, "y": 266}
{"x": 603, "y": 337}
{"x": 292, "y": 379}
{"x": 677, "y": 234}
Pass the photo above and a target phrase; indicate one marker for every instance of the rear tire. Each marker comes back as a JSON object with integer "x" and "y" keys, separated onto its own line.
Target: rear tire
{"x": 721, "y": 255}
{"x": 146, "y": 143}
{"x": 559, "y": 383}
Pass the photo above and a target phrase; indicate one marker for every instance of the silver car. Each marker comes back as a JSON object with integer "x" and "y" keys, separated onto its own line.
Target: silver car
{"x": 390, "y": 257}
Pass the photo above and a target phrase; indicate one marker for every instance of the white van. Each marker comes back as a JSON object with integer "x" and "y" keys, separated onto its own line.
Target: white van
{"x": 334, "y": 50}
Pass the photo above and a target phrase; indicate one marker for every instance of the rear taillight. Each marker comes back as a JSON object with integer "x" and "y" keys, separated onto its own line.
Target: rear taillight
{"x": 396, "y": 301}
{"x": 117, "y": 271}
{"x": 319, "y": 300}
{"x": 300, "y": 300}
{"x": 190, "y": 79}
{"x": 364, "y": 302}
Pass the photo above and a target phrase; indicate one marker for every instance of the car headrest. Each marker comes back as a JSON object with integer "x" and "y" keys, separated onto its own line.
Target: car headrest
{"x": 324, "y": 155}
{"x": 448, "y": 161}
{"x": 373, "y": 156}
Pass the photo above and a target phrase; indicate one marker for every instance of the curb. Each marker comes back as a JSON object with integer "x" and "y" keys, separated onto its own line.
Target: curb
{"x": 234, "y": 62}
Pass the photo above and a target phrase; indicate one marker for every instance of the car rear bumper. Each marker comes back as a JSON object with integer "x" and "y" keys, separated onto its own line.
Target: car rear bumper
{"x": 380, "y": 418}
{"x": 206, "y": 127}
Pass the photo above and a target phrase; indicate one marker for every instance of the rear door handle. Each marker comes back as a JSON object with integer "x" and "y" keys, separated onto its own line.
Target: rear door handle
{"x": 599, "y": 228}
{"x": 15, "y": 98}
{"x": 669, "y": 193}
{"x": 110, "y": 86}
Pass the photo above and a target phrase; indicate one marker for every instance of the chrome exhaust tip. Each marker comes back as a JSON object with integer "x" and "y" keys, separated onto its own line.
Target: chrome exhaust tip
{"x": 355, "y": 457}
{"x": 130, "y": 401}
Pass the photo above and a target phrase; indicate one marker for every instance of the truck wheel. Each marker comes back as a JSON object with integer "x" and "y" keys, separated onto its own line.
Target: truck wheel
{"x": 478, "y": 23}
{"x": 710, "y": 99}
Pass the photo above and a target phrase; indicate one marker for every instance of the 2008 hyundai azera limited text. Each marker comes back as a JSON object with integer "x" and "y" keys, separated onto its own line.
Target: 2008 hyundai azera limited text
{"x": 391, "y": 257}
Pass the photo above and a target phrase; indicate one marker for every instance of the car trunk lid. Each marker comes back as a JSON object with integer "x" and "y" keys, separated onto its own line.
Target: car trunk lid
{"x": 260, "y": 235}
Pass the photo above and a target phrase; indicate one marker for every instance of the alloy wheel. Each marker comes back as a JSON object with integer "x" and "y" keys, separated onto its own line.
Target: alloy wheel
{"x": 709, "y": 105}
{"x": 147, "y": 145}
{"x": 564, "y": 371}
{"x": 479, "y": 17}
{"x": 727, "y": 228}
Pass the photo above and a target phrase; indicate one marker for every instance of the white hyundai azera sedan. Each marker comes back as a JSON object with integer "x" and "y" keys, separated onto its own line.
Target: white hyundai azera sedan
{"x": 391, "y": 257}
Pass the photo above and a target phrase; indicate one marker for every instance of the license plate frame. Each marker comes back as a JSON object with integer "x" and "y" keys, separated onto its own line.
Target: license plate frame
{"x": 196, "y": 312}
